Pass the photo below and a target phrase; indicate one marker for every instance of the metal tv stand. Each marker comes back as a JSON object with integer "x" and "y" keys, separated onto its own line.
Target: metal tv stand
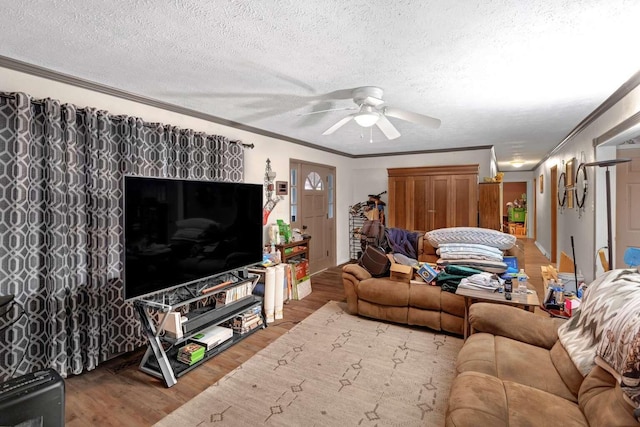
{"x": 196, "y": 302}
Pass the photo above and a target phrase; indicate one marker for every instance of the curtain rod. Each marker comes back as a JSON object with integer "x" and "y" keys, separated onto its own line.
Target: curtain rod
{"x": 121, "y": 116}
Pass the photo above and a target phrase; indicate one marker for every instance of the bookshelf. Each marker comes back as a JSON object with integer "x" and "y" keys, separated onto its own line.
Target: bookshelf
{"x": 294, "y": 249}
{"x": 202, "y": 303}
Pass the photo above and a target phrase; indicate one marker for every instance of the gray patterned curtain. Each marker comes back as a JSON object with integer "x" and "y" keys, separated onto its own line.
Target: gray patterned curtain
{"x": 61, "y": 173}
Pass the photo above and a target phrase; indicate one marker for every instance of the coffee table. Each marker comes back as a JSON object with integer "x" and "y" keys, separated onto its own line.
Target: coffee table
{"x": 478, "y": 295}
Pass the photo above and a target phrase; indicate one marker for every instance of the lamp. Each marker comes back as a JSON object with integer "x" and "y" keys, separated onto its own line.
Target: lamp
{"x": 366, "y": 117}
{"x": 606, "y": 164}
{"x": 517, "y": 163}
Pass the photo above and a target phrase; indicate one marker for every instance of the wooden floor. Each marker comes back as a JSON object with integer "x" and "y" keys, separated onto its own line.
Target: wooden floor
{"x": 117, "y": 393}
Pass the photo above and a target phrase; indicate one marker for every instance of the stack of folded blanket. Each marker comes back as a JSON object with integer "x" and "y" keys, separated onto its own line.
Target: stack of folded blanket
{"x": 473, "y": 247}
{"x": 475, "y": 255}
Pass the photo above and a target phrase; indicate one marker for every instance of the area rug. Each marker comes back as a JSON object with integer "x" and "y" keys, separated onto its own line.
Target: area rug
{"x": 334, "y": 369}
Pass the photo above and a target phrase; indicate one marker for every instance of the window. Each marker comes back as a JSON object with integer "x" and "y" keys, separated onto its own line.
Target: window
{"x": 313, "y": 182}
{"x": 294, "y": 194}
{"x": 330, "y": 197}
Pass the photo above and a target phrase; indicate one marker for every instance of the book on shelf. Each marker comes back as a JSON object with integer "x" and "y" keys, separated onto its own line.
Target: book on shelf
{"x": 213, "y": 336}
{"x": 234, "y": 293}
{"x": 191, "y": 353}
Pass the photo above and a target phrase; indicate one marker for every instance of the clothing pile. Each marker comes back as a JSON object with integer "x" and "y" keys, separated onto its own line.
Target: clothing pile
{"x": 482, "y": 281}
{"x": 465, "y": 251}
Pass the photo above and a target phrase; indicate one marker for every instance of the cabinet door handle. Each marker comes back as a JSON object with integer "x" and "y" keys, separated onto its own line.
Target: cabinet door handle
{"x": 431, "y": 210}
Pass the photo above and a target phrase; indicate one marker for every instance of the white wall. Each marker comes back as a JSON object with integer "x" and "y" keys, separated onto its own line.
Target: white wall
{"x": 588, "y": 228}
{"x": 370, "y": 173}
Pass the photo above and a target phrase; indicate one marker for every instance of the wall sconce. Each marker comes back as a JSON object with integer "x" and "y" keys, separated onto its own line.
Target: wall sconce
{"x": 269, "y": 190}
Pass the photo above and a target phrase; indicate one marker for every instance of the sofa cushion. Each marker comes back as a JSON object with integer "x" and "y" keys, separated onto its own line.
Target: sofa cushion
{"x": 477, "y": 399}
{"x": 425, "y": 296}
{"x": 513, "y": 360}
{"x": 384, "y": 292}
{"x": 484, "y": 236}
{"x": 429, "y": 318}
{"x": 377, "y": 311}
{"x": 452, "y": 304}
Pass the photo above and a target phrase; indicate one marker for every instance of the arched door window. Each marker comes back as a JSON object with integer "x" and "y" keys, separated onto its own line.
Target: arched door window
{"x": 313, "y": 182}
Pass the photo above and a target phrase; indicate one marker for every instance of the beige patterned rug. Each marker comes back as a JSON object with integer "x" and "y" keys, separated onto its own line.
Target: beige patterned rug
{"x": 334, "y": 369}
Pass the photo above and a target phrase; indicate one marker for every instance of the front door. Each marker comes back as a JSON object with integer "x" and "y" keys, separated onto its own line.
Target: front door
{"x": 316, "y": 212}
{"x": 627, "y": 205}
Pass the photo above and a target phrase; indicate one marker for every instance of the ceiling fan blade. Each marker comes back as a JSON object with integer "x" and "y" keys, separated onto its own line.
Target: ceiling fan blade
{"x": 338, "y": 94}
{"x": 412, "y": 117}
{"x": 338, "y": 125}
{"x": 387, "y": 128}
{"x": 326, "y": 111}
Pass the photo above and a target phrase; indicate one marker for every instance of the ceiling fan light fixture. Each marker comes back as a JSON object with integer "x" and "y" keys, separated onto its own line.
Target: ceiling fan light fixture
{"x": 367, "y": 117}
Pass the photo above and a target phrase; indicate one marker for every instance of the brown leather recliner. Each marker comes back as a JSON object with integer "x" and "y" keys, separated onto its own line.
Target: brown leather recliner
{"x": 515, "y": 371}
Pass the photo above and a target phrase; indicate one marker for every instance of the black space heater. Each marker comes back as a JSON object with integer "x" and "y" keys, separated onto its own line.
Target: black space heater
{"x": 34, "y": 399}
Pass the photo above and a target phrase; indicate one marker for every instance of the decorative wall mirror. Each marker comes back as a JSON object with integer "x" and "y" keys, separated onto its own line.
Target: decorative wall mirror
{"x": 581, "y": 185}
{"x": 562, "y": 190}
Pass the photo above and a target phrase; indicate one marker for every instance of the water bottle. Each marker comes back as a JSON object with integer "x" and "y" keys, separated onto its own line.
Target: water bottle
{"x": 522, "y": 282}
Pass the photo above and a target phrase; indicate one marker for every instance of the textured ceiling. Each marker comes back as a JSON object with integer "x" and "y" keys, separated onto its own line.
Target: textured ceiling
{"x": 518, "y": 75}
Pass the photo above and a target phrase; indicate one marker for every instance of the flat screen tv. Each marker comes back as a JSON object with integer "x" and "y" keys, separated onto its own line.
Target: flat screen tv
{"x": 178, "y": 232}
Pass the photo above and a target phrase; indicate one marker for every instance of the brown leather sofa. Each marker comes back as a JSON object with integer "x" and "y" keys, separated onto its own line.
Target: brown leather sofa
{"x": 516, "y": 372}
{"x": 384, "y": 299}
{"x": 412, "y": 304}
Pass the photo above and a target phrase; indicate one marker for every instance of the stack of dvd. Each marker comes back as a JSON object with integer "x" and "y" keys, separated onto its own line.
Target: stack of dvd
{"x": 191, "y": 353}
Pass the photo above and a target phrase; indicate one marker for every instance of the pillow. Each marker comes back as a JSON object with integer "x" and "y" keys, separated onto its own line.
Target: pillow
{"x": 484, "y": 236}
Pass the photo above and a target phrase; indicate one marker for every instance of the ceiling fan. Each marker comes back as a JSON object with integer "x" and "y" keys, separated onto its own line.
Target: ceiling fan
{"x": 372, "y": 111}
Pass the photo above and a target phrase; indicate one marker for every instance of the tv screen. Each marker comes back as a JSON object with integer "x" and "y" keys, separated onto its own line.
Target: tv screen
{"x": 179, "y": 231}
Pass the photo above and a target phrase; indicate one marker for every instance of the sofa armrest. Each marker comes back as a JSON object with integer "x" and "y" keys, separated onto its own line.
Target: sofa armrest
{"x": 357, "y": 271}
{"x": 515, "y": 323}
{"x": 352, "y": 274}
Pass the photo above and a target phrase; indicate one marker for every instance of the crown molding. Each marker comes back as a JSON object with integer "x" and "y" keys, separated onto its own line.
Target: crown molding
{"x": 614, "y": 98}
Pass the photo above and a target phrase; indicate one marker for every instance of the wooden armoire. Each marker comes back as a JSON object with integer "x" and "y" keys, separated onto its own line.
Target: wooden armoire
{"x": 432, "y": 197}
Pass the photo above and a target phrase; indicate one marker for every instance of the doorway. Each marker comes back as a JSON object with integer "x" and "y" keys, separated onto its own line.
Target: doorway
{"x": 515, "y": 209}
{"x": 627, "y": 204}
{"x": 313, "y": 195}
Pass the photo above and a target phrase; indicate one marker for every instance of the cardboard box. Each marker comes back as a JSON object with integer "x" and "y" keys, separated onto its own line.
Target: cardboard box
{"x": 300, "y": 268}
{"x": 401, "y": 273}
